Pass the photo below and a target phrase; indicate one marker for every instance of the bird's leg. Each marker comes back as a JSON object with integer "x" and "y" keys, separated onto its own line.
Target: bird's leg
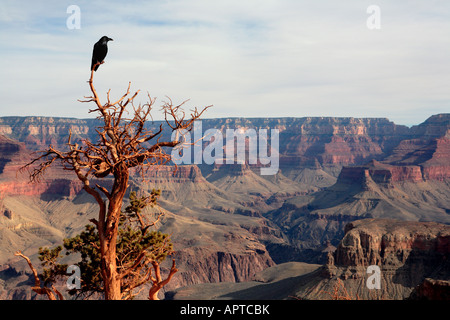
{"x": 97, "y": 64}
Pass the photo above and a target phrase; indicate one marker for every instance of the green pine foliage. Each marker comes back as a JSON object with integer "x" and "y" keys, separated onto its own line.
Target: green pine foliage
{"x": 87, "y": 244}
{"x": 52, "y": 269}
{"x": 134, "y": 242}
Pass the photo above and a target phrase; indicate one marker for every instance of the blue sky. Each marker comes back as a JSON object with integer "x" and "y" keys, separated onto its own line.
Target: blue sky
{"x": 247, "y": 58}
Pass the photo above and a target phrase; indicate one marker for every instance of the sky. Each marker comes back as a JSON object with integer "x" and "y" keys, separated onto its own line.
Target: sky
{"x": 247, "y": 58}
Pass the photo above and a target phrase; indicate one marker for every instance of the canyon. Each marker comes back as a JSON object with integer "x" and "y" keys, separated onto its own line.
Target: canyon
{"x": 228, "y": 222}
{"x": 412, "y": 257}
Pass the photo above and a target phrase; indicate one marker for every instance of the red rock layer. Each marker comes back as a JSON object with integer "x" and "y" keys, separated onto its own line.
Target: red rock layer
{"x": 382, "y": 241}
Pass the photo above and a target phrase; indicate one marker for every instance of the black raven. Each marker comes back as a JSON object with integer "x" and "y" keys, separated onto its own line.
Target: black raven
{"x": 100, "y": 51}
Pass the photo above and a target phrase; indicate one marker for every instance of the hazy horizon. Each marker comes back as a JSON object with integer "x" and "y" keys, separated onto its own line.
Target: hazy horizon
{"x": 232, "y": 117}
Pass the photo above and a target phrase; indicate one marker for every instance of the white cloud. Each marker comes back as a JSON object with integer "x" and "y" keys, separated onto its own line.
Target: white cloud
{"x": 248, "y": 58}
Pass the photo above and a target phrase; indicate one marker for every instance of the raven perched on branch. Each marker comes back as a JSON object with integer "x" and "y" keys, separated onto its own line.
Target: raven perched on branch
{"x": 100, "y": 51}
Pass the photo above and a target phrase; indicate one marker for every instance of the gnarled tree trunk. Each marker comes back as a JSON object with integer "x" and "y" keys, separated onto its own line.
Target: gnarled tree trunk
{"x": 124, "y": 143}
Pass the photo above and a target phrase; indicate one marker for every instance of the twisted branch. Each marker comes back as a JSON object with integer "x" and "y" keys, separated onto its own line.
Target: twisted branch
{"x": 123, "y": 143}
{"x": 37, "y": 283}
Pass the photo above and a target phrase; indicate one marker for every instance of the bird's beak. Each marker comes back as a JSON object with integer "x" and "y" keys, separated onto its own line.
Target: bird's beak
{"x": 109, "y": 39}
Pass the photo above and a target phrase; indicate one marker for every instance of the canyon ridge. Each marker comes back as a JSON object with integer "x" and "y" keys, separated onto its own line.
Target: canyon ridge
{"x": 349, "y": 192}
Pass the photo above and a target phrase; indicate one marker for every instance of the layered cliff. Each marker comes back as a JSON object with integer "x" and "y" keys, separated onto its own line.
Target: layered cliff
{"x": 330, "y": 142}
{"x": 13, "y": 155}
{"x": 237, "y": 220}
{"x": 39, "y": 132}
{"x": 428, "y": 147}
{"x": 410, "y": 183}
{"x": 375, "y": 190}
{"x": 319, "y": 143}
{"x": 200, "y": 265}
{"x": 411, "y": 256}
{"x": 387, "y": 242}
{"x": 380, "y": 173}
{"x": 303, "y": 141}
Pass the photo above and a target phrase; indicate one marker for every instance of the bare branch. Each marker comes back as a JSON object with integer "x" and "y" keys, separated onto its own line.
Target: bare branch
{"x": 104, "y": 190}
{"x": 37, "y": 283}
{"x": 158, "y": 283}
{"x": 124, "y": 142}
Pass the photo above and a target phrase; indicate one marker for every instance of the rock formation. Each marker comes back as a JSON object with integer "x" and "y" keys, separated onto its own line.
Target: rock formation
{"x": 228, "y": 221}
{"x": 412, "y": 257}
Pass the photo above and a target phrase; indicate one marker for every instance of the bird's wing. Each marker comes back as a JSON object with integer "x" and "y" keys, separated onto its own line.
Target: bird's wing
{"x": 98, "y": 54}
{"x": 94, "y": 55}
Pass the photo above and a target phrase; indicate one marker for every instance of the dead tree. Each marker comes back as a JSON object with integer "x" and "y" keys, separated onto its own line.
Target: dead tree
{"x": 124, "y": 143}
